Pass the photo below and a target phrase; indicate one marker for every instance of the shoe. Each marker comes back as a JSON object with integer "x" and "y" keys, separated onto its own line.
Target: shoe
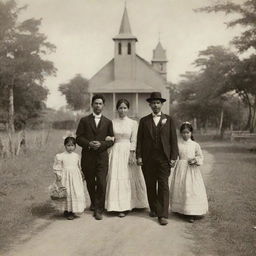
{"x": 152, "y": 214}
{"x": 162, "y": 221}
{"x": 98, "y": 216}
{"x": 70, "y": 216}
{"x": 191, "y": 220}
{"x": 92, "y": 208}
{"x": 121, "y": 214}
{"x": 65, "y": 214}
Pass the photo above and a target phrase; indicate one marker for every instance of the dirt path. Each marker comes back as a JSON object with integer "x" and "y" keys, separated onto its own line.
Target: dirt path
{"x": 137, "y": 234}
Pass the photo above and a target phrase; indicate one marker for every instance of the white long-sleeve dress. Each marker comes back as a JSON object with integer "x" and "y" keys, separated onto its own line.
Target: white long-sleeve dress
{"x": 187, "y": 190}
{"x": 126, "y": 187}
{"x": 67, "y": 165}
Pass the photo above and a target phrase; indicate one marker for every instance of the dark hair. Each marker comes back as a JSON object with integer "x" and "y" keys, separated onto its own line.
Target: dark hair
{"x": 98, "y": 96}
{"x": 125, "y": 101}
{"x": 70, "y": 139}
{"x": 188, "y": 126}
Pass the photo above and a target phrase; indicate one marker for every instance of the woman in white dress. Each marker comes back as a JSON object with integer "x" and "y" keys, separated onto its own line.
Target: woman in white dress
{"x": 126, "y": 188}
{"x": 187, "y": 192}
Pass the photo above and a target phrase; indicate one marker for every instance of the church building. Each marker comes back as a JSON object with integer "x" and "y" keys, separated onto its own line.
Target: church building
{"x": 129, "y": 76}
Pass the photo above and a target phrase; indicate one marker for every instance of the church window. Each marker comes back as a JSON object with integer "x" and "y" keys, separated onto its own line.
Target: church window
{"x": 129, "y": 49}
{"x": 161, "y": 66}
{"x": 119, "y": 48}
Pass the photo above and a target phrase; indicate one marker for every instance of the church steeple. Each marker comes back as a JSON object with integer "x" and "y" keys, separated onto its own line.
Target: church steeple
{"x": 159, "y": 60}
{"x": 125, "y": 50}
{"x": 125, "y": 27}
{"x": 159, "y": 54}
{"x": 125, "y": 31}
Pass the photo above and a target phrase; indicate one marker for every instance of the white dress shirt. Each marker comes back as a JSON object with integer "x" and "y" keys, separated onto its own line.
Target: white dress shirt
{"x": 97, "y": 118}
{"x": 156, "y": 118}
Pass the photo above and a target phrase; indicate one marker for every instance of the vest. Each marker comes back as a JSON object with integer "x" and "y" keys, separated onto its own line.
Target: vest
{"x": 157, "y": 145}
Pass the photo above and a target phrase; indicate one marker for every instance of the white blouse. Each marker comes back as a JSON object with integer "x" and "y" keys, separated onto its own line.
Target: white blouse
{"x": 125, "y": 130}
{"x": 190, "y": 149}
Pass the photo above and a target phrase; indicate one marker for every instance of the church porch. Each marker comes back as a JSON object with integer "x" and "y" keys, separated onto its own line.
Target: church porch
{"x": 138, "y": 104}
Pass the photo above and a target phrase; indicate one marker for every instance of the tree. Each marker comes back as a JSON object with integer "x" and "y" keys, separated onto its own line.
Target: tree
{"x": 246, "y": 18}
{"x": 76, "y": 93}
{"x": 22, "y": 66}
{"x": 242, "y": 79}
{"x": 215, "y": 63}
{"x": 204, "y": 95}
{"x": 243, "y": 75}
{"x": 193, "y": 104}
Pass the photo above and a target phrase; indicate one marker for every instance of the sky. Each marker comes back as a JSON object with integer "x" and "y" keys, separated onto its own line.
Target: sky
{"x": 82, "y": 31}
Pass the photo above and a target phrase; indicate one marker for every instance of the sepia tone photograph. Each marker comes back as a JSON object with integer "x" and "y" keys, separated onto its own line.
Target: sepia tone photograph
{"x": 127, "y": 128}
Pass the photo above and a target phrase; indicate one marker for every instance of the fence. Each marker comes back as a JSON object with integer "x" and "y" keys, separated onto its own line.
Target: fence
{"x": 22, "y": 141}
{"x": 243, "y": 136}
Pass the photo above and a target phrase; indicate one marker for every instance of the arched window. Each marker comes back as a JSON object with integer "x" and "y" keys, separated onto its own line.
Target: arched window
{"x": 161, "y": 67}
{"x": 119, "y": 48}
{"x": 129, "y": 49}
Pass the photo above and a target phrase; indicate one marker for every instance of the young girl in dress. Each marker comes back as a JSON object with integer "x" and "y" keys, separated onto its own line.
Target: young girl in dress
{"x": 188, "y": 194}
{"x": 68, "y": 171}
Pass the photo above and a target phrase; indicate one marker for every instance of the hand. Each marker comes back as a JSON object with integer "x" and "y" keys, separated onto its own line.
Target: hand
{"x": 132, "y": 158}
{"x": 172, "y": 163}
{"x": 192, "y": 161}
{"x": 94, "y": 145}
{"x": 97, "y": 144}
{"x": 109, "y": 138}
{"x": 139, "y": 161}
{"x": 91, "y": 145}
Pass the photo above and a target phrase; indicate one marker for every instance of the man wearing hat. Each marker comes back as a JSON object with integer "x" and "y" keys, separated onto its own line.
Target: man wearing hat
{"x": 156, "y": 153}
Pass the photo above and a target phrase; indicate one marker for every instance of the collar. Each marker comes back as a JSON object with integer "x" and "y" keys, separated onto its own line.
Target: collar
{"x": 157, "y": 115}
{"x": 97, "y": 116}
{"x": 186, "y": 141}
{"x": 124, "y": 118}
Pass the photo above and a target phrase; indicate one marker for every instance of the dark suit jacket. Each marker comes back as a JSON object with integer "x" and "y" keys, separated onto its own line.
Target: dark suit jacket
{"x": 168, "y": 136}
{"x": 87, "y": 131}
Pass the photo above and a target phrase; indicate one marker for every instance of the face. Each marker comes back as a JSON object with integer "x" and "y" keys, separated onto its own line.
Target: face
{"x": 156, "y": 106}
{"x": 97, "y": 106}
{"x": 70, "y": 147}
{"x": 186, "y": 134}
{"x": 122, "y": 110}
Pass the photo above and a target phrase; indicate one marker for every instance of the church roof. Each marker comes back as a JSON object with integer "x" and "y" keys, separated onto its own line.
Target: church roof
{"x": 149, "y": 66}
{"x": 123, "y": 86}
{"x": 159, "y": 53}
{"x": 125, "y": 31}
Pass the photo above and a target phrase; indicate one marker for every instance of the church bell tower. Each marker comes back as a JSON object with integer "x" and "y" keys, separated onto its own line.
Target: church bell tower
{"x": 125, "y": 50}
{"x": 159, "y": 60}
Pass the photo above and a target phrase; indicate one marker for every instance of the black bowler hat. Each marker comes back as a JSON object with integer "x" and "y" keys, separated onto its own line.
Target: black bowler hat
{"x": 156, "y": 96}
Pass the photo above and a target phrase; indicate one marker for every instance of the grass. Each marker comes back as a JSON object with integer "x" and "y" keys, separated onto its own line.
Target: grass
{"x": 228, "y": 229}
{"x": 24, "y": 187}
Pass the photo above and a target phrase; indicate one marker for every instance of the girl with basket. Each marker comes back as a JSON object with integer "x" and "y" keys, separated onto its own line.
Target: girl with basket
{"x": 69, "y": 189}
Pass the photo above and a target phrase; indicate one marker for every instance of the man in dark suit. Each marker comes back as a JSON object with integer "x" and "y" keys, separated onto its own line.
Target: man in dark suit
{"x": 91, "y": 134}
{"x": 156, "y": 153}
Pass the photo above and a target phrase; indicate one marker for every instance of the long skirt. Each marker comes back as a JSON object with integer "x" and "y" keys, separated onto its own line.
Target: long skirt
{"x": 72, "y": 180}
{"x": 126, "y": 187}
{"x": 187, "y": 190}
